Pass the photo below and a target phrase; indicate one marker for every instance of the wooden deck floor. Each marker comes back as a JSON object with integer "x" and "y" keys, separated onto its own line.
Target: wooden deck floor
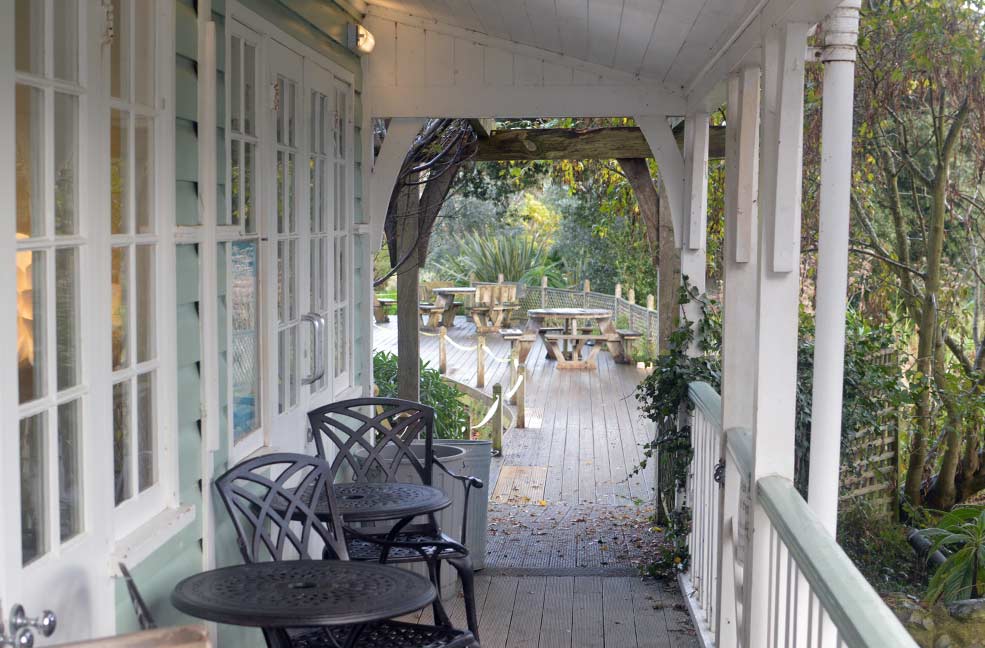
{"x": 560, "y": 563}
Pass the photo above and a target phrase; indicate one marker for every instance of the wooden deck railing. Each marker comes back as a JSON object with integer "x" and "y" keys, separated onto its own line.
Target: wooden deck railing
{"x": 810, "y": 594}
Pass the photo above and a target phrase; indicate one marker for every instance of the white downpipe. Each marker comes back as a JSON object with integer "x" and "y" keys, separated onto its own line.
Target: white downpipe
{"x": 841, "y": 33}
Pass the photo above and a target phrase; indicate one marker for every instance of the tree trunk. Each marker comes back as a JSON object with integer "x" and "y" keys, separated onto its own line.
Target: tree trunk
{"x": 669, "y": 276}
{"x": 408, "y": 323}
{"x": 637, "y": 172}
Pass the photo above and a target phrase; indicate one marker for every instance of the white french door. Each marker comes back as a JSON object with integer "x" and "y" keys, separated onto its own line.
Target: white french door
{"x": 308, "y": 173}
{"x": 83, "y": 388}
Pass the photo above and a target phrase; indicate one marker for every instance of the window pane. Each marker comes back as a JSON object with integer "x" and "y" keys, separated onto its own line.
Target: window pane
{"x": 29, "y": 18}
{"x": 30, "y": 161}
{"x": 249, "y": 88}
{"x": 247, "y": 204}
{"x": 325, "y": 204}
{"x": 340, "y": 206}
{"x": 65, "y": 20}
{"x": 122, "y": 479}
{"x": 313, "y": 164}
{"x": 313, "y": 123}
{"x": 234, "y": 178}
{"x": 67, "y": 316}
{"x": 291, "y": 198}
{"x": 120, "y": 280}
{"x": 342, "y": 118}
{"x": 341, "y": 341}
{"x": 291, "y": 115}
{"x": 280, "y": 91}
{"x": 146, "y": 450}
{"x": 143, "y": 173}
{"x": 314, "y": 258}
{"x": 280, "y": 192}
{"x": 66, "y": 162}
{"x": 326, "y": 123}
{"x": 340, "y": 269}
{"x": 286, "y": 282}
{"x": 69, "y": 470}
{"x": 145, "y": 287}
{"x": 30, "y": 325}
{"x": 235, "y": 73}
{"x": 119, "y": 55}
{"x": 287, "y": 370}
{"x": 246, "y": 373}
{"x": 34, "y": 490}
{"x": 144, "y": 50}
{"x": 119, "y": 171}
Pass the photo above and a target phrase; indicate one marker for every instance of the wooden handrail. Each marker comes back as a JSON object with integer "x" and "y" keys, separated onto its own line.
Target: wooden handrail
{"x": 862, "y": 618}
{"x": 178, "y": 637}
{"x": 708, "y": 401}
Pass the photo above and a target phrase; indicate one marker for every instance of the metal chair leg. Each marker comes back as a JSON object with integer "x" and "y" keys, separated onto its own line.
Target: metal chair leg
{"x": 467, "y": 576}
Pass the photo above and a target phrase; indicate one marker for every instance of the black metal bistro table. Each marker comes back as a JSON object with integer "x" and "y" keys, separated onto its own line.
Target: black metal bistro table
{"x": 303, "y": 593}
{"x": 377, "y": 501}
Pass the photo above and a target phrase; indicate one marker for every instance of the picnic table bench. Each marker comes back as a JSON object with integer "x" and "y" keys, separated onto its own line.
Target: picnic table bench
{"x": 567, "y": 347}
{"x": 494, "y": 306}
{"x": 576, "y": 332}
{"x": 628, "y": 337}
{"x": 380, "y": 308}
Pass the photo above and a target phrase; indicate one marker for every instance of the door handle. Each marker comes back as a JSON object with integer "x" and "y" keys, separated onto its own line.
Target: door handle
{"x": 318, "y": 335}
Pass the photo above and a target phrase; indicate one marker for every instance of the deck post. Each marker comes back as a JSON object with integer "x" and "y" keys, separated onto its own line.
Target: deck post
{"x": 521, "y": 407}
{"x": 778, "y": 298}
{"x": 585, "y": 290}
{"x": 480, "y": 361}
{"x": 840, "y": 35}
{"x": 632, "y": 296}
{"x": 497, "y": 419}
{"x": 442, "y": 354}
{"x": 739, "y": 318}
{"x": 693, "y": 260}
{"x": 543, "y": 292}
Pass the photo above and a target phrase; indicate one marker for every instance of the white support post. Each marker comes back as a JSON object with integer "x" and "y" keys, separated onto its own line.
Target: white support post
{"x": 778, "y": 292}
{"x": 399, "y": 137}
{"x": 660, "y": 137}
{"x": 840, "y": 36}
{"x": 739, "y": 320}
{"x": 693, "y": 261}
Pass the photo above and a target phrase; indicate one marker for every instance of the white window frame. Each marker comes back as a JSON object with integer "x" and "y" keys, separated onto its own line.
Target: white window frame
{"x": 343, "y": 381}
{"x": 238, "y": 13}
{"x": 230, "y": 233}
{"x": 142, "y": 507}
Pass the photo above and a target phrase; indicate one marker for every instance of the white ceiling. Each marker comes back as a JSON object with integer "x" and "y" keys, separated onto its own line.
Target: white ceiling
{"x": 668, "y": 41}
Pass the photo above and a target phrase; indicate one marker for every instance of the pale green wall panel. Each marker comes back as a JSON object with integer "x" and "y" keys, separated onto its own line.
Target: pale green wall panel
{"x": 155, "y": 577}
{"x": 186, "y": 153}
{"x": 186, "y": 92}
{"x": 186, "y": 29}
{"x": 186, "y": 202}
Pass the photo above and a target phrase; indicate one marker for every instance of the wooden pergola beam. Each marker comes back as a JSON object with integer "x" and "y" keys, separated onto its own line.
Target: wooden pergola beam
{"x": 530, "y": 144}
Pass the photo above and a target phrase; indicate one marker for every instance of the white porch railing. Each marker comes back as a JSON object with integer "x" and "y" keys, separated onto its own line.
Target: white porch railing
{"x": 815, "y": 598}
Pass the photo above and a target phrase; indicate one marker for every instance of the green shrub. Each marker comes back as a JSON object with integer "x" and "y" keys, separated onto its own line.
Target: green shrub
{"x": 518, "y": 257}
{"x": 960, "y": 533}
{"x": 451, "y": 412}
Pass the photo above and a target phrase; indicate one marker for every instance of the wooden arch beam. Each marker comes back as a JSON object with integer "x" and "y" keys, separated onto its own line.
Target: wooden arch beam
{"x": 530, "y": 144}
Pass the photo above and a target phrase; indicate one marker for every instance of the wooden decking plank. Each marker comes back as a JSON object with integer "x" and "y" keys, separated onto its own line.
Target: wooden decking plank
{"x": 586, "y": 613}
{"x": 617, "y": 606}
{"x": 651, "y": 622}
{"x": 528, "y": 609}
{"x": 494, "y": 626}
{"x": 555, "y": 628}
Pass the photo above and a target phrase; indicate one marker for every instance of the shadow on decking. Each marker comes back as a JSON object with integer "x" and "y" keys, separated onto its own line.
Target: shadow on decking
{"x": 568, "y": 522}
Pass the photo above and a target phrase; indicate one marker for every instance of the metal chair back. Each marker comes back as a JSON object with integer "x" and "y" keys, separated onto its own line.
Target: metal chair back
{"x": 374, "y": 436}
{"x": 272, "y": 502}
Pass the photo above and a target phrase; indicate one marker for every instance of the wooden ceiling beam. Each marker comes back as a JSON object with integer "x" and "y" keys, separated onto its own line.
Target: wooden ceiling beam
{"x": 530, "y": 144}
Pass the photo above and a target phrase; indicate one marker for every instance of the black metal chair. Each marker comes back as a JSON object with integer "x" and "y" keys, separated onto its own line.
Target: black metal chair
{"x": 373, "y": 437}
{"x": 276, "y": 521}
{"x": 144, "y": 617}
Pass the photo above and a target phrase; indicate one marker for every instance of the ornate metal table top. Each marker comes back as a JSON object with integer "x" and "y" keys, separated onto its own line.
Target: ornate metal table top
{"x": 574, "y": 313}
{"x": 375, "y": 501}
{"x": 302, "y": 593}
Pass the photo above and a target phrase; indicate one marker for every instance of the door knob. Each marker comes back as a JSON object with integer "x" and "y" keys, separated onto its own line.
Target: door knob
{"x": 22, "y": 627}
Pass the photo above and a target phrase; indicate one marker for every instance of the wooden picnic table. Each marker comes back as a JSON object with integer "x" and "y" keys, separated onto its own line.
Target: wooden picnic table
{"x": 444, "y": 305}
{"x": 569, "y": 356}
